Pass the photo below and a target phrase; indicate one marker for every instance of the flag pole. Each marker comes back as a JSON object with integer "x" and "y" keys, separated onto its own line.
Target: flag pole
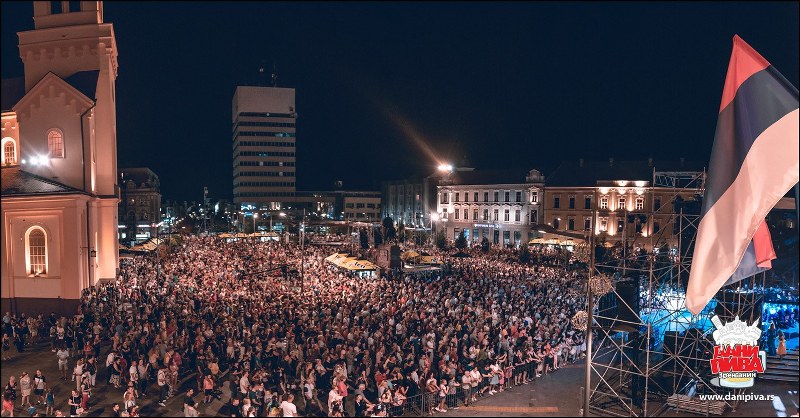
{"x": 589, "y": 309}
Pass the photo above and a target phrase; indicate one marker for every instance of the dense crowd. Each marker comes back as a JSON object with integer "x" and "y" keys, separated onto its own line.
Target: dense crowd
{"x": 222, "y": 313}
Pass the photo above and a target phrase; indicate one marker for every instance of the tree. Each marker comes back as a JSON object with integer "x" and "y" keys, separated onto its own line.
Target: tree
{"x": 364, "y": 238}
{"x": 461, "y": 241}
{"x": 378, "y": 236}
{"x": 524, "y": 254}
{"x": 441, "y": 240}
{"x": 485, "y": 245}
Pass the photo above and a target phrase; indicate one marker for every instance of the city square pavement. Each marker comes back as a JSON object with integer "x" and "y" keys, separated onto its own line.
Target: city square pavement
{"x": 557, "y": 394}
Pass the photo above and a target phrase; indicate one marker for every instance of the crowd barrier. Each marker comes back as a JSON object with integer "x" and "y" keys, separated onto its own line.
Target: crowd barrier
{"x": 425, "y": 404}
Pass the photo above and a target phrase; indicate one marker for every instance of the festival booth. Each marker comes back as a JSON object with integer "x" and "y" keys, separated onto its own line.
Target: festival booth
{"x": 147, "y": 246}
{"x": 361, "y": 268}
{"x": 554, "y": 242}
{"x": 420, "y": 263}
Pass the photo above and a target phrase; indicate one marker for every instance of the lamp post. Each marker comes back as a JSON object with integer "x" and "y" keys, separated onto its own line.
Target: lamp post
{"x": 302, "y": 254}
{"x": 434, "y": 218}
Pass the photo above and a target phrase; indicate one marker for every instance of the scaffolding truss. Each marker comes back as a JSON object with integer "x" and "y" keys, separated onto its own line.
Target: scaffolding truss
{"x": 649, "y": 350}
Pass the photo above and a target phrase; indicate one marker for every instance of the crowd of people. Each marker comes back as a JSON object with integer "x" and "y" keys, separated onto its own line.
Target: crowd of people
{"x": 213, "y": 313}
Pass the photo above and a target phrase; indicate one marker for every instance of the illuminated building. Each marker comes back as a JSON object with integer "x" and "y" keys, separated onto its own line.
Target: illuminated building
{"x": 59, "y": 165}
{"x": 499, "y": 205}
{"x": 263, "y": 142}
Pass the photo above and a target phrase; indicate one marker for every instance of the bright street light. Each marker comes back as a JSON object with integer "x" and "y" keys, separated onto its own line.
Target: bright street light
{"x": 445, "y": 167}
{"x": 434, "y": 216}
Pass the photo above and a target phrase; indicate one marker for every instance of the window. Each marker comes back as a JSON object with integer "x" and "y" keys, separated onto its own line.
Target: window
{"x": 359, "y": 206}
{"x": 587, "y": 202}
{"x": 556, "y": 201}
{"x": 445, "y": 198}
{"x": 621, "y": 203}
{"x": 519, "y": 196}
{"x": 36, "y": 251}
{"x": 55, "y": 143}
{"x": 556, "y": 223}
{"x": 444, "y": 213}
{"x": 475, "y": 215}
{"x": 534, "y": 197}
{"x": 639, "y": 203}
{"x": 505, "y": 215}
{"x": 496, "y": 214}
{"x": 466, "y": 196}
{"x": 604, "y": 202}
{"x": 475, "y": 197}
{"x": 455, "y": 212}
{"x": 9, "y": 152}
{"x": 620, "y": 225}
{"x": 534, "y": 216}
{"x": 485, "y": 196}
{"x": 603, "y": 224}
{"x": 572, "y": 202}
{"x": 466, "y": 215}
{"x": 74, "y": 6}
{"x": 55, "y": 7}
{"x": 486, "y": 214}
{"x": 571, "y": 224}
{"x": 455, "y": 197}
{"x": 496, "y": 196}
{"x": 507, "y": 196}
{"x": 657, "y": 203}
{"x": 517, "y": 215}
{"x": 587, "y": 224}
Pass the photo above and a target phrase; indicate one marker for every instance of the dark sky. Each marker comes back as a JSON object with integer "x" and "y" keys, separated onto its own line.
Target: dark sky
{"x": 503, "y": 84}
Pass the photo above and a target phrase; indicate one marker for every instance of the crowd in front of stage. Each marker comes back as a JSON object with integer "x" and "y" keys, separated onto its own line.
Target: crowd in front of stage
{"x": 211, "y": 312}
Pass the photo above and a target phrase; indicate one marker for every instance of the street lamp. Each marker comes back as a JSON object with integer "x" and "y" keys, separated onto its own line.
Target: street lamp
{"x": 255, "y": 216}
{"x": 447, "y": 168}
{"x": 434, "y": 218}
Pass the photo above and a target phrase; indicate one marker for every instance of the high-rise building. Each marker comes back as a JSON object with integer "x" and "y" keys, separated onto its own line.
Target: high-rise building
{"x": 263, "y": 147}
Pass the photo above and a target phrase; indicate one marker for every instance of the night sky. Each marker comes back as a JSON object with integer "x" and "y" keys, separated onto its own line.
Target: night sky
{"x": 387, "y": 90}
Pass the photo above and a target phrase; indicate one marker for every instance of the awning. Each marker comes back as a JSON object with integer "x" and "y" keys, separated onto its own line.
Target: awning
{"x": 410, "y": 254}
{"x": 345, "y": 261}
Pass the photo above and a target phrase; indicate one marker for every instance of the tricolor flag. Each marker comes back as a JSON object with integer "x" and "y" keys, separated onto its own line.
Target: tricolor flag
{"x": 754, "y": 162}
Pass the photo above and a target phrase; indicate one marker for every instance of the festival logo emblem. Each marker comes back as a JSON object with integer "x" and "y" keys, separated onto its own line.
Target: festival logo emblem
{"x": 737, "y": 358}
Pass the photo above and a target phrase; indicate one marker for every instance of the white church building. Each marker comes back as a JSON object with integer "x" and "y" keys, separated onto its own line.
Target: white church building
{"x": 59, "y": 161}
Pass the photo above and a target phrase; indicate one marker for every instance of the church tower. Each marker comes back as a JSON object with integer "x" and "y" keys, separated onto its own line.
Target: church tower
{"x": 59, "y": 191}
{"x": 70, "y": 40}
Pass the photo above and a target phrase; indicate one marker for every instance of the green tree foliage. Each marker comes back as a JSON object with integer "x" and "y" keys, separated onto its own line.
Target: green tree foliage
{"x": 524, "y": 254}
{"x": 441, "y": 240}
{"x": 461, "y": 241}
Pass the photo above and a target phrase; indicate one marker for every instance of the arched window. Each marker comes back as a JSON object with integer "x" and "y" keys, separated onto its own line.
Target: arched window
{"x": 9, "y": 152}
{"x": 36, "y": 251}
{"x": 55, "y": 143}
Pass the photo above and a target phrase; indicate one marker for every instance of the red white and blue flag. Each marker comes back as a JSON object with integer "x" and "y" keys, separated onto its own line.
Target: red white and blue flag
{"x": 754, "y": 162}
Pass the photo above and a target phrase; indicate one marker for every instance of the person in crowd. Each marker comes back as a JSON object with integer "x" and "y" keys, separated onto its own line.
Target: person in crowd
{"x": 206, "y": 309}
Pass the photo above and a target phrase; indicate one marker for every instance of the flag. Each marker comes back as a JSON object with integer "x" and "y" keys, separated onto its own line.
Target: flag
{"x": 754, "y": 162}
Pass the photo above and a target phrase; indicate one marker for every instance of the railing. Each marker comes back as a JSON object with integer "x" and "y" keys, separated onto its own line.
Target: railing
{"x": 425, "y": 404}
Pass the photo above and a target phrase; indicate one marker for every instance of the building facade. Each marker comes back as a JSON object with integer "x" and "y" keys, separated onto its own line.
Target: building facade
{"x": 360, "y": 206}
{"x": 140, "y": 205}
{"x": 59, "y": 176}
{"x": 264, "y": 149}
{"x": 502, "y": 206}
{"x": 631, "y": 201}
{"x": 404, "y": 201}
